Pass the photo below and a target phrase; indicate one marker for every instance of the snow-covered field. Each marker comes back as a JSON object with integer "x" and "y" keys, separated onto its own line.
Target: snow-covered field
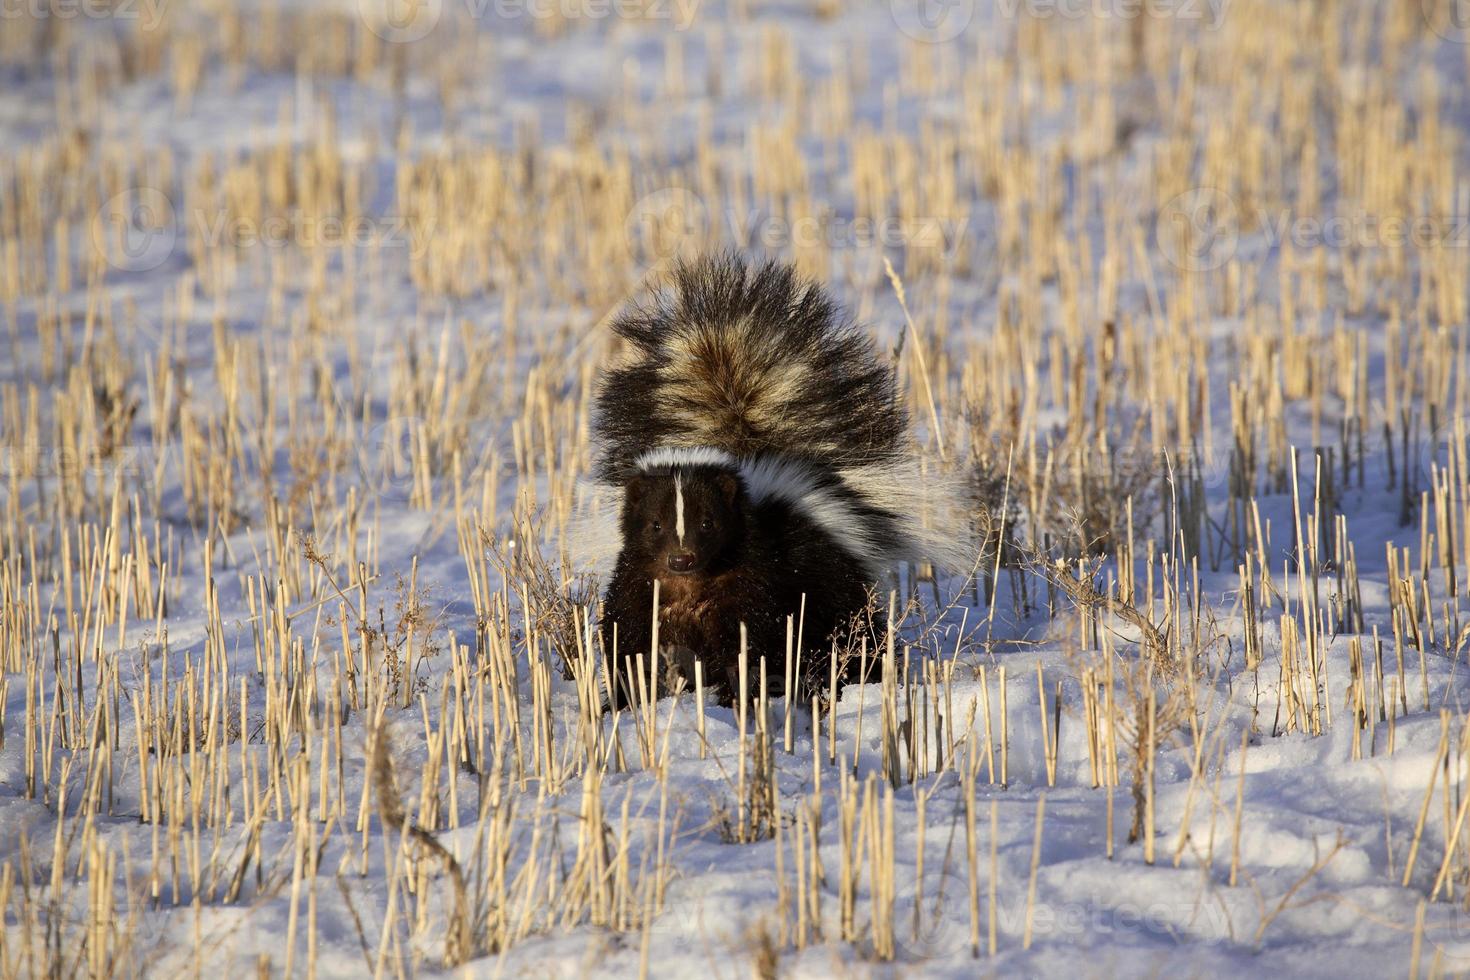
{"x": 303, "y": 305}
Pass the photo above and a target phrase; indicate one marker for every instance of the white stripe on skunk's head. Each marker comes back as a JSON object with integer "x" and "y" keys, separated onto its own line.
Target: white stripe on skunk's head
{"x": 668, "y": 457}
{"x": 679, "y": 506}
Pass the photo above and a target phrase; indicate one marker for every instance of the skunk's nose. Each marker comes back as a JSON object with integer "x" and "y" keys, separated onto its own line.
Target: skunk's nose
{"x": 681, "y": 562}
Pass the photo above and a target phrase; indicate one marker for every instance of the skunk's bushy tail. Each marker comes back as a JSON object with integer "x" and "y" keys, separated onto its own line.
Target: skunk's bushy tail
{"x": 752, "y": 361}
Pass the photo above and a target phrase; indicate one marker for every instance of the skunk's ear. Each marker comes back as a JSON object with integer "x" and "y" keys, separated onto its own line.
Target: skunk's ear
{"x": 728, "y": 485}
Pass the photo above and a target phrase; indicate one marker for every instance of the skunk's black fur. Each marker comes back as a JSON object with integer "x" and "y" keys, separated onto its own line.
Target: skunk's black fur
{"x": 750, "y": 562}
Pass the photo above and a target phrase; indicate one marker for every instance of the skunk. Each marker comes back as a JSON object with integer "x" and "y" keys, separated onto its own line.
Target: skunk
{"x": 766, "y": 472}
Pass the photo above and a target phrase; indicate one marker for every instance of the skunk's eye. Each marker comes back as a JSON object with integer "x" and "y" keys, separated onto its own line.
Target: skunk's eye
{"x": 706, "y": 524}
{"x": 657, "y": 526}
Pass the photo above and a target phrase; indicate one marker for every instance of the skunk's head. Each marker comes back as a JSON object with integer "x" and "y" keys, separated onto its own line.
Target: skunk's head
{"x": 685, "y": 519}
